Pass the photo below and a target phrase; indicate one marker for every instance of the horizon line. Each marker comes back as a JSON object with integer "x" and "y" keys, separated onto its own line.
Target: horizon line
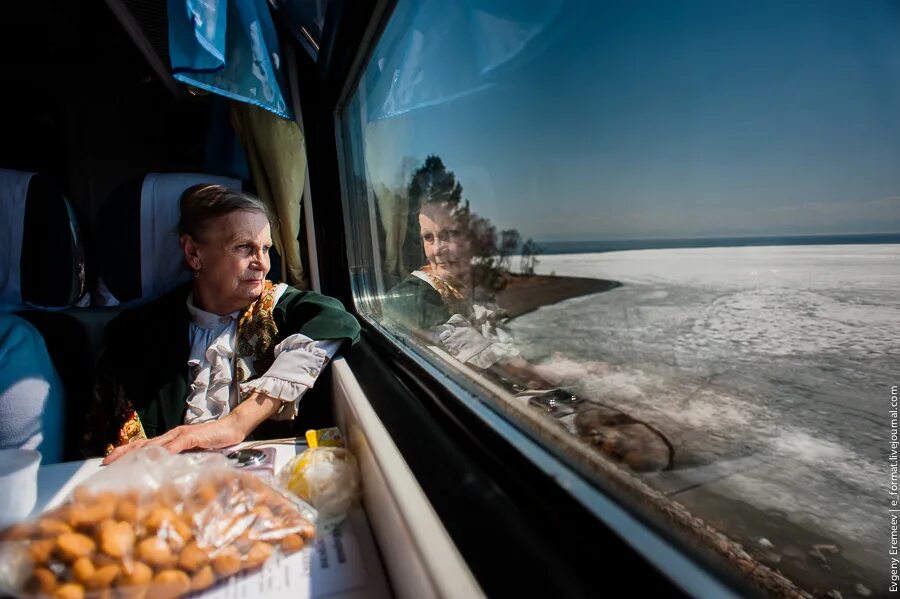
{"x": 713, "y": 237}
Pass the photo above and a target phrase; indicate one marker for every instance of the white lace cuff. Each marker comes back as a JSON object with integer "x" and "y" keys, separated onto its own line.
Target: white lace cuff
{"x": 461, "y": 339}
{"x": 480, "y": 348}
{"x": 298, "y": 362}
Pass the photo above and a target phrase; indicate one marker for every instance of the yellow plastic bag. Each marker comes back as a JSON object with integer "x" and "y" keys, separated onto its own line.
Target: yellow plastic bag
{"x": 325, "y": 475}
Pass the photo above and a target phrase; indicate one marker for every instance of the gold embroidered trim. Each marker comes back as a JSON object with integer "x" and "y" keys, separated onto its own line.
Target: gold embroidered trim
{"x": 257, "y": 329}
{"x": 446, "y": 290}
{"x": 130, "y": 431}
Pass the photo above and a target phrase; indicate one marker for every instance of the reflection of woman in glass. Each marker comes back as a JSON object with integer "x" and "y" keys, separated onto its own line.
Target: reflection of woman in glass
{"x": 443, "y": 300}
{"x": 446, "y": 303}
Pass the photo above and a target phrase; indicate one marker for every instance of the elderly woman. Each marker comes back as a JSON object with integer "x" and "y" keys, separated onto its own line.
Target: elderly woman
{"x": 205, "y": 365}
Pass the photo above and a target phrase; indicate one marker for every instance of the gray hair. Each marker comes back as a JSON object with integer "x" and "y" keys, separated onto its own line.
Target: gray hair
{"x": 202, "y": 204}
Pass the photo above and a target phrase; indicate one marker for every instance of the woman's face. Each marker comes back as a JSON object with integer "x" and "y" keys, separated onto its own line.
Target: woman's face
{"x": 446, "y": 247}
{"x": 233, "y": 259}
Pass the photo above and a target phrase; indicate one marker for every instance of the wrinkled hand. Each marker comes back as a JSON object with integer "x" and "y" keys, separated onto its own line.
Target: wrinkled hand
{"x": 209, "y": 435}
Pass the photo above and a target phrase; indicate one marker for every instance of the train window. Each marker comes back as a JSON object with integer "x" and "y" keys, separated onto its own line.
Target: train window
{"x": 662, "y": 240}
{"x": 306, "y": 19}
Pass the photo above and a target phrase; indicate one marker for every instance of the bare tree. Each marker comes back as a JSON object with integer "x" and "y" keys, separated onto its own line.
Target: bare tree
{"x": 509, "y": 243}
{"x": 528, "y": 259}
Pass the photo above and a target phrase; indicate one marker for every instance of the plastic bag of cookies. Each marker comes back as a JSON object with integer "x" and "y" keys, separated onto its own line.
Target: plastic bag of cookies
{"x": 154, "y": 526}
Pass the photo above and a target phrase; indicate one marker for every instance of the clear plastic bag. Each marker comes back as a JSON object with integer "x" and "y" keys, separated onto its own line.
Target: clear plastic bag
{"x": 325, "y": 475}
{"x": 153, "y": 525}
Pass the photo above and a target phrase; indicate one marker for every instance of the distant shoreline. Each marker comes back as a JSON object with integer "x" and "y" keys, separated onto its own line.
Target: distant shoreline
{"x": 591, "y": 247}
{"x": 526, "y": 293}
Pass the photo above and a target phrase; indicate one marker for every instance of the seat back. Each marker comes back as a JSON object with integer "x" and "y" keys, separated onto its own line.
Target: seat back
{"x": 41, "y": 250}
{"x": 66, "y": 340}
{"x": 138, "y": 254}
{"x": 42, "y": 270}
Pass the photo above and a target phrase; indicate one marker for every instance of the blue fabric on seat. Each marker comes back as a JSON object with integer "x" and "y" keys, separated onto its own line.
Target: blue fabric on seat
{"x": 31, "y": 394}
{"x": 228, "y": 47}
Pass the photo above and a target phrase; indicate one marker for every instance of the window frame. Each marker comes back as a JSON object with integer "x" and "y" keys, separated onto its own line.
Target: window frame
{"x": 435, "y": 400}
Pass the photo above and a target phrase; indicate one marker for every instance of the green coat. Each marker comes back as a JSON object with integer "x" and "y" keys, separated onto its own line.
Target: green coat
{"x": 147, "y": 348}
{"x": 415, "y": 305}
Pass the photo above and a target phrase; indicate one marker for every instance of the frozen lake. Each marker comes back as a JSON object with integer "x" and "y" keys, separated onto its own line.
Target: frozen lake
{"x": 769, "y": 368}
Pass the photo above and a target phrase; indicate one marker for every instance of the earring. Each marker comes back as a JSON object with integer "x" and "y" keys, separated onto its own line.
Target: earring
{"x": 197, "y": 274}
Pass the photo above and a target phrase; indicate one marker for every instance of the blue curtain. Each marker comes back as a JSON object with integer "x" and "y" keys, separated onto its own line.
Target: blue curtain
{"x": 228, "y": 47}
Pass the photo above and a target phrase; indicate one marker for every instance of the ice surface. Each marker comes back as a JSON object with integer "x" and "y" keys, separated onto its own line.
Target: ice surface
{"x": 776, "y": 359}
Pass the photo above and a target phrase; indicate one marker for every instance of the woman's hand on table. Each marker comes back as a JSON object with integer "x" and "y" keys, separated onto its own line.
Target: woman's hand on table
{"x": 208, "y": 435}
{"x": 228, "y": 431}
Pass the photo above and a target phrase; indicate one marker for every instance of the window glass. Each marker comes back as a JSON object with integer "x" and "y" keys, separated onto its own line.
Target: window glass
{"x": 308, "y": 17}
{"x": 662, "y": 239}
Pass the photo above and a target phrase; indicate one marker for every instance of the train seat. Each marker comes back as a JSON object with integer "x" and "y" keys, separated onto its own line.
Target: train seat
{"x": 42, "y": 271}
{"x": 138, "y": 255}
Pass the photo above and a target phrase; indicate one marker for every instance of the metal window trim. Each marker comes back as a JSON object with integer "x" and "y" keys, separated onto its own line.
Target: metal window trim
{"x": 683, "y": 571}
{"x": 309, "y": 227}
{"x": 381, "y": 13}
{"x": 420, "y": 555}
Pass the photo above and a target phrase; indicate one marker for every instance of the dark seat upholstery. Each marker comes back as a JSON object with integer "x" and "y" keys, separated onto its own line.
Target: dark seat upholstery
{"x": 67, "y": 344}
{"x": 52, "y": 263}
{"x": 119, "y": 241}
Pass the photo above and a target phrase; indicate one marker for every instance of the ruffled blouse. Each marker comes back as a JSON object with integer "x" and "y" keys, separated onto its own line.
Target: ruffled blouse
{"x": 212, "y": 362}
{"x": 476, "y": 340}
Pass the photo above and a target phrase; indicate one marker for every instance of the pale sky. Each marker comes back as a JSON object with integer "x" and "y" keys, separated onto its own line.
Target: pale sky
{"x": 644, "y": 119}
